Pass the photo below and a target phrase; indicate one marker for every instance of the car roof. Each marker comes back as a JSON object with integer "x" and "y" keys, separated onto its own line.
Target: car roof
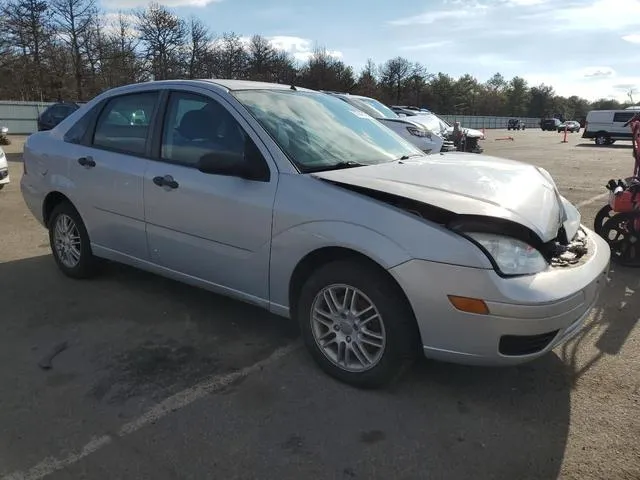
{"x": 229, "y": 85}
{"x": 251, "y": 85}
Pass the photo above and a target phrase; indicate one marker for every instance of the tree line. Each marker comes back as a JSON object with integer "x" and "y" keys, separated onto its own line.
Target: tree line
{"x": 69, "y": 50}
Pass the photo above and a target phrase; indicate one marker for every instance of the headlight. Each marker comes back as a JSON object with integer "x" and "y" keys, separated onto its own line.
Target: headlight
{"x": 419, "y": 133}
{"x": 4, "y": 130}
{"x": 511, "y": 256}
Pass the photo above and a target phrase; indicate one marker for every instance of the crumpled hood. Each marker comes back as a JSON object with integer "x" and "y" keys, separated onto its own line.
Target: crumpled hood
{"x": 468, "y": 184}
{"x": 469, "y": 132}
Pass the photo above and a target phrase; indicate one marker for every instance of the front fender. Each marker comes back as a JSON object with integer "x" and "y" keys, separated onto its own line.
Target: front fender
{"x": 289, "y": 247}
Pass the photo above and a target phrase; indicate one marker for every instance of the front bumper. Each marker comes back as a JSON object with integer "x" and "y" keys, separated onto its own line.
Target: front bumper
{"x": 528, "y": 316}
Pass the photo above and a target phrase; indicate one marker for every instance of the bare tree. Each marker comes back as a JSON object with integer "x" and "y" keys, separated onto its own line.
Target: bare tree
{"x": 367, "y": 84}
{"x": 118, "y": 53}
{"x": 261, "y": 58}
{"x": 163, "y": 35}
{"x": 231, "y": 57}
{"x": 73, "y": 18}
{"x": 29, "y": 30}
{"x": 284, "y": 68}
{"x": 199, "y": 48}
{"x": 394, "y": 74}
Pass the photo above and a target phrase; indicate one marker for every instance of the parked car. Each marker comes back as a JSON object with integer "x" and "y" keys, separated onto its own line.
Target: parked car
{"x": 571, "y": 126}
{"x": 408, "y": 110}
{"x": 515, "y": 124}
{"x": 404, "y": 110}
{"x": 549, "y": 124}
{"x": 55, "y": 113}
{"x": 5, "y": 178}
{"x": 289, "y": 199}
{"x": 425, "y": 139}
{"x": 604, "y": 127}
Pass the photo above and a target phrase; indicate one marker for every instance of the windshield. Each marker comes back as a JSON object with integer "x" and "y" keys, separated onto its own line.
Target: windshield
{"x": 382, "y": 111}
{"x": 318, "y": 131}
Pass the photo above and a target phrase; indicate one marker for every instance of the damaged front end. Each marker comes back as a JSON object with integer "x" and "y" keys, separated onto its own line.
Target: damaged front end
{"x": 512, "y": 248}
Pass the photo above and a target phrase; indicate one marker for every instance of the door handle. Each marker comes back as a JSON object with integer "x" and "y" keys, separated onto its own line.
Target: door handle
{"x": 166, "y": 181}
{"x": 87, "y": 162}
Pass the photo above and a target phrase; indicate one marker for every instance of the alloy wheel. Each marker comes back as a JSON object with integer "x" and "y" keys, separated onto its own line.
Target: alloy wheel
{"x": 348, "y": 328}
{"x": 67, "y": 243}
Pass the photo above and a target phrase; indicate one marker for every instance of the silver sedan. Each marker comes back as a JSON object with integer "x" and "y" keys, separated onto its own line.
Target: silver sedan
{"x": 294, "y": 201}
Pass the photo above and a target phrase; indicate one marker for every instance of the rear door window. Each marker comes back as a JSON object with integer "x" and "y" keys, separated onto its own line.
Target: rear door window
{"x": 124, "y": 124}
{"x": 622, "y": 117}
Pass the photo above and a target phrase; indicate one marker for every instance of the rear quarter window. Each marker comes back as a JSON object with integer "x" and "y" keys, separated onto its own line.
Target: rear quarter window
{"x": 78, "y": 131}
{"x": 622, "y": 117}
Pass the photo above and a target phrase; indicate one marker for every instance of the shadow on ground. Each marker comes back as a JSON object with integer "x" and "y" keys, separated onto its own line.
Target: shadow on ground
{"x": 604, "y": 147}
{"x": 614, "y": 320}
{"x": 129, "y": 333}
{"x": 14, "y": 157}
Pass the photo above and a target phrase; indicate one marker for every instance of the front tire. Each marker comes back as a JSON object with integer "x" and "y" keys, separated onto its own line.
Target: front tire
{"x": 70, "y": 243}
{"x": 357, "y": 324}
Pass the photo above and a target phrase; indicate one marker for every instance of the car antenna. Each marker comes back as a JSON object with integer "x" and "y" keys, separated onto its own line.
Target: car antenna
{"x": 293, "y": 87}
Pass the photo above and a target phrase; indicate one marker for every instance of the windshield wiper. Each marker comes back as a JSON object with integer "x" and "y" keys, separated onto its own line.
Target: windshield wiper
{"x": 407, "y": 157}
{"x": 335, "y": 166}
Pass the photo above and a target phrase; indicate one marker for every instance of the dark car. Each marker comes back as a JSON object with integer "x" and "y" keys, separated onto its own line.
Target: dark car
{"x": 515, "y": 124}
{"x": 570, "y": 125}
{"x": 550, "y": 124}
{"x": 55, "y": 113}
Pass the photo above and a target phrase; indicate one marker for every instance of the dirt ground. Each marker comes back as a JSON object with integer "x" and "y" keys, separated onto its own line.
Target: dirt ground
{"x": 160, "y": 380}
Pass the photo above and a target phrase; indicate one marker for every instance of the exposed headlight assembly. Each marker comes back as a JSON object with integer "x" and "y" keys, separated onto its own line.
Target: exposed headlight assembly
{"x": 508, "y": 255}
{"x": 419, "y": 133}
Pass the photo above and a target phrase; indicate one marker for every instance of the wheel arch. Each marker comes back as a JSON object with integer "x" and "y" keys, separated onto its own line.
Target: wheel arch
{"x": 50, "y": 202}
{"x": 321, "y": 256}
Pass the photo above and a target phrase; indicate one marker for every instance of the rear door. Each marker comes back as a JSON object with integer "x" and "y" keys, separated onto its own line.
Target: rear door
{"x": 213, "y": 228}
{"x": 107, "y": 169}
{"x": 618, "y": 130}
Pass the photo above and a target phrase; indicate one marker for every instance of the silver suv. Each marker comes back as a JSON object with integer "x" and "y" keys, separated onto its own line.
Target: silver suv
{"x": 289, "y": 199}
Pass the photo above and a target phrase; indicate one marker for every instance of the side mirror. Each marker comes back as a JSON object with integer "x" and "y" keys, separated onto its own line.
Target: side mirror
{"x": 232, "y": 164}
{"x": 249, "y": 165}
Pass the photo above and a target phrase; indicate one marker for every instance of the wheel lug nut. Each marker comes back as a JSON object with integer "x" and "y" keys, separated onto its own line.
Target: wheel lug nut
{"x": 336, "y": 328}
{"x": 348, "y": 339}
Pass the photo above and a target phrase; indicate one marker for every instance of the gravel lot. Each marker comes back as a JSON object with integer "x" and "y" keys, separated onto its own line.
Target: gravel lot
{"x": 160, "y": 380}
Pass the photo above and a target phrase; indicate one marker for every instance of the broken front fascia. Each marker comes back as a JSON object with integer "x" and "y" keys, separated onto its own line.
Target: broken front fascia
{"x": 557, "y": 252}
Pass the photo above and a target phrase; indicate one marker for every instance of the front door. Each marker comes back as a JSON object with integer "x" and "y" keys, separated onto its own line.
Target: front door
{"x": 214, "y": 228}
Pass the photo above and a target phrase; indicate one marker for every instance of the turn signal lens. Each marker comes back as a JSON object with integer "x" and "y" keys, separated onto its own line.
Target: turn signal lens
{"x": 469, "y": 305}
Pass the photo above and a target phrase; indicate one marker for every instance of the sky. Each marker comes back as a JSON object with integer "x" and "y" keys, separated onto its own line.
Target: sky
{"x": 589, "y": 48}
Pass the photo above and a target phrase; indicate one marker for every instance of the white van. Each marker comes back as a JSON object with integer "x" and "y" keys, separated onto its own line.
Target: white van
{"x": 607, "y": 126}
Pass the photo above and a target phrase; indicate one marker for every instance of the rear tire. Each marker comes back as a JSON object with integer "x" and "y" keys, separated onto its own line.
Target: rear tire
{"x": 365, "y": 355}
{"x": 70, "y": 242}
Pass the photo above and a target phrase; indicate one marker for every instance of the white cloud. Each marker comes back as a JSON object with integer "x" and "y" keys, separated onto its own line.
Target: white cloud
{"x": 427, "y": 46}
{"x": 111, "y": 23}
{"x": 525, "y": 3}
{"x": 632, "y": 38}
{"x": 115, "y": 4}
{"x": 598, "y": 72}
{"x": 439, "y": 15}
{"x": 574, "y": 82}
{"x": 300, "y": 48}
{"x": 598, "y": 15}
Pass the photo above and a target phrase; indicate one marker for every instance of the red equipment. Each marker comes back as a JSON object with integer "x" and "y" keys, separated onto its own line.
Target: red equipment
{"x": 618, "y": 222}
